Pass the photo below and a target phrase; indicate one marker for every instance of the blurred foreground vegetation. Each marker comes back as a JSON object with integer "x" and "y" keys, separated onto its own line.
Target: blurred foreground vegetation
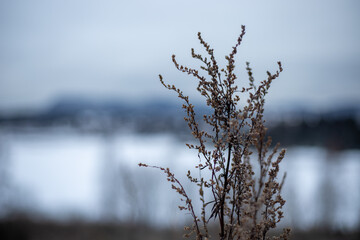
{"x": 29, "y": 229}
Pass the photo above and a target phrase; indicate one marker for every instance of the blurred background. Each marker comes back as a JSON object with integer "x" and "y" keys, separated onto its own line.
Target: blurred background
{"x": 81, "y": 105}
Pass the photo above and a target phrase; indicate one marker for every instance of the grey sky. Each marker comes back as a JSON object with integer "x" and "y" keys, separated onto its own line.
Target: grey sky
{"x": 115, "y": 49}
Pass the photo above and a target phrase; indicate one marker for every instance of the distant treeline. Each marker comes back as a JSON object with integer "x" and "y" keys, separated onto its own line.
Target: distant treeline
{"x": 335, "y": 130}
{"x": 334, "y": 134}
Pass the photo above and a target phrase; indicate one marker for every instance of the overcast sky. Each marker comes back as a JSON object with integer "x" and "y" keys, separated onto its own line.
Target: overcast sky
{"x": 114, "y": 49}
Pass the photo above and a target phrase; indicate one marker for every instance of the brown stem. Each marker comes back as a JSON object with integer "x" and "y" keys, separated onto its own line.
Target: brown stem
{"x": 222, "y": 215}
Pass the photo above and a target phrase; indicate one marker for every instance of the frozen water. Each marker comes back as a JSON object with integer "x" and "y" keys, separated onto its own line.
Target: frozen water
{"x": 97, "y": 176}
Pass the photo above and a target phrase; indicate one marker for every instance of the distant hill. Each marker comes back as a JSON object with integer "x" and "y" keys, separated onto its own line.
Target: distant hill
{"x": 336, "y": 129}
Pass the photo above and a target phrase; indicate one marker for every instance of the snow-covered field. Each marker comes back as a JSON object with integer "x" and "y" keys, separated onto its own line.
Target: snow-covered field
{"x": 62, "y": 174}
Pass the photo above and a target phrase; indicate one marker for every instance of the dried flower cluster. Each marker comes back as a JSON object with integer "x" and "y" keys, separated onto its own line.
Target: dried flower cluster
{"x": 244, "y": 204}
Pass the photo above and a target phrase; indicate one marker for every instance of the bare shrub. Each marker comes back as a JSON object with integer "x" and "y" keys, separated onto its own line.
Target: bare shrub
{"x": 244, "y": 204}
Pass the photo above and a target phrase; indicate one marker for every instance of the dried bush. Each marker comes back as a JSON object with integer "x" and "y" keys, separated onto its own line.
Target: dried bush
{"x": 244, "y": 204}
